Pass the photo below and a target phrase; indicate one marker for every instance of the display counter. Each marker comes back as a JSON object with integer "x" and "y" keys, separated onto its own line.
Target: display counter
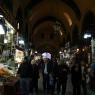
{"x": 8, "y": 71}
{"x": 8, "y": 87}
{"x": 8, "y": 80}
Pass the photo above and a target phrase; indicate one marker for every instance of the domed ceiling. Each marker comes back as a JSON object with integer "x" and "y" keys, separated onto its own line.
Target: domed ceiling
{"x": 50, "y": 23}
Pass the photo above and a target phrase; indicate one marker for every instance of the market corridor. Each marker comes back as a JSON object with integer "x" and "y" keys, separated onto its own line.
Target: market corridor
{"x": 68, "y": 91}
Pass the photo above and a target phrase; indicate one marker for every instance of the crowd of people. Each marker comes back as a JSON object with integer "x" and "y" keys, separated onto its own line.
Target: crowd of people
{"x": 54, "y": 74}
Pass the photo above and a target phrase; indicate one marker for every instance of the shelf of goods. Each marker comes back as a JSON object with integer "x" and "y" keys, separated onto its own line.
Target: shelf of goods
{"x": 7, "y": 82}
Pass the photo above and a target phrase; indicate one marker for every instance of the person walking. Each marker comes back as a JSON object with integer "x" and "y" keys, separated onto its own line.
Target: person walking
{"x": 84, "y": 77}
{"x": 76, "y": 77}
{"x": 25, "y": 74}
{"x": 35, "y": 76}
{"x": 54, "y": 76}
{"x": 62, "y": 76}
{"x": 46, "y": 71}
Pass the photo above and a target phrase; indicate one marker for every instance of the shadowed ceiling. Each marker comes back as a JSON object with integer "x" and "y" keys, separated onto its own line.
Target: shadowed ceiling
{"x": 50, "y": 23}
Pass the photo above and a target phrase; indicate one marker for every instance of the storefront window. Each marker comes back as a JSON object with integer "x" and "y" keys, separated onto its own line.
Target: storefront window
{"x": 6, "y": 46}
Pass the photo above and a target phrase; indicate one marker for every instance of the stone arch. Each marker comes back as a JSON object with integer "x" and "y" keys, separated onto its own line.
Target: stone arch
{"x": 88, "y": 23}
{"x": 36, "y": 14}
{"x": 87, "y": 26}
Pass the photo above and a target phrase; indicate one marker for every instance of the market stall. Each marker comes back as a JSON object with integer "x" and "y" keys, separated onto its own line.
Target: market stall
{"x": 8, "y": 78}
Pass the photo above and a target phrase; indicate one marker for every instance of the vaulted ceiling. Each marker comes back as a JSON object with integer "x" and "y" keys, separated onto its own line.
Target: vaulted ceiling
{"x": 49, "y": 24}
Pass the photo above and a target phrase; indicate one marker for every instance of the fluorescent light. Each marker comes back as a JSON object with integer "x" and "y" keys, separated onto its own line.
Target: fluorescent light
{"x": 1, "y": 15}
{"x": 77, "y": 49}
{"x": 2, "y": 30}
{"x": 61, "y": 33}
{"x": 36, "y": 52}
{"x": 17, "y": 25}
{"x": 12, "y": 31}
{"x": 21, "y": 42}
{"x": 87, "y": 36}
{"x": 5, "y": 41}
{"x": 60, "y": 52}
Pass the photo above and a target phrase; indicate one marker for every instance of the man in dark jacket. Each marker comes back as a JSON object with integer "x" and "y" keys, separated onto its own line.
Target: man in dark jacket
{"x": 46, "y": 71}
{"x": 35, "y": 76}
{"x": 62, "y": 75}
{"x": 76, "y": 78}
{"x": 25, "y": 73}
{"x": 54, "y": 75}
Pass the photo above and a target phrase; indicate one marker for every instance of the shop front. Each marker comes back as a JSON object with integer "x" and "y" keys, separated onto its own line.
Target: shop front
{"x": 8, "y": 67}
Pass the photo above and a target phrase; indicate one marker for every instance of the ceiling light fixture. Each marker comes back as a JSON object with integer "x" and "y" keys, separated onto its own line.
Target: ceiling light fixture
{"x": 2, "y": 30}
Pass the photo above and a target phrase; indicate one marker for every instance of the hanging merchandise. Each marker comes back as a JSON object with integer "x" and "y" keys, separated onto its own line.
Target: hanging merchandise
{"x": 6, "y": 43}
{"x": 19, "y": 56}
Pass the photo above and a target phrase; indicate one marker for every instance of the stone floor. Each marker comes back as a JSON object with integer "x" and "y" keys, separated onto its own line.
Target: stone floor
{"x": 68, "y": 91}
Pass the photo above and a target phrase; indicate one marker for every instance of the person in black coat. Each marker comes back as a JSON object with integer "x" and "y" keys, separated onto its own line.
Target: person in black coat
{"x": 62, "y": 76}
{"x": 54, "y": 75}
{"x": 35, "y": 76}
{"x": 46, "y": 71}
{"x": 25, "y": 74}
{"x": 84, "y": 77}
{"x": 76, "y": 77}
